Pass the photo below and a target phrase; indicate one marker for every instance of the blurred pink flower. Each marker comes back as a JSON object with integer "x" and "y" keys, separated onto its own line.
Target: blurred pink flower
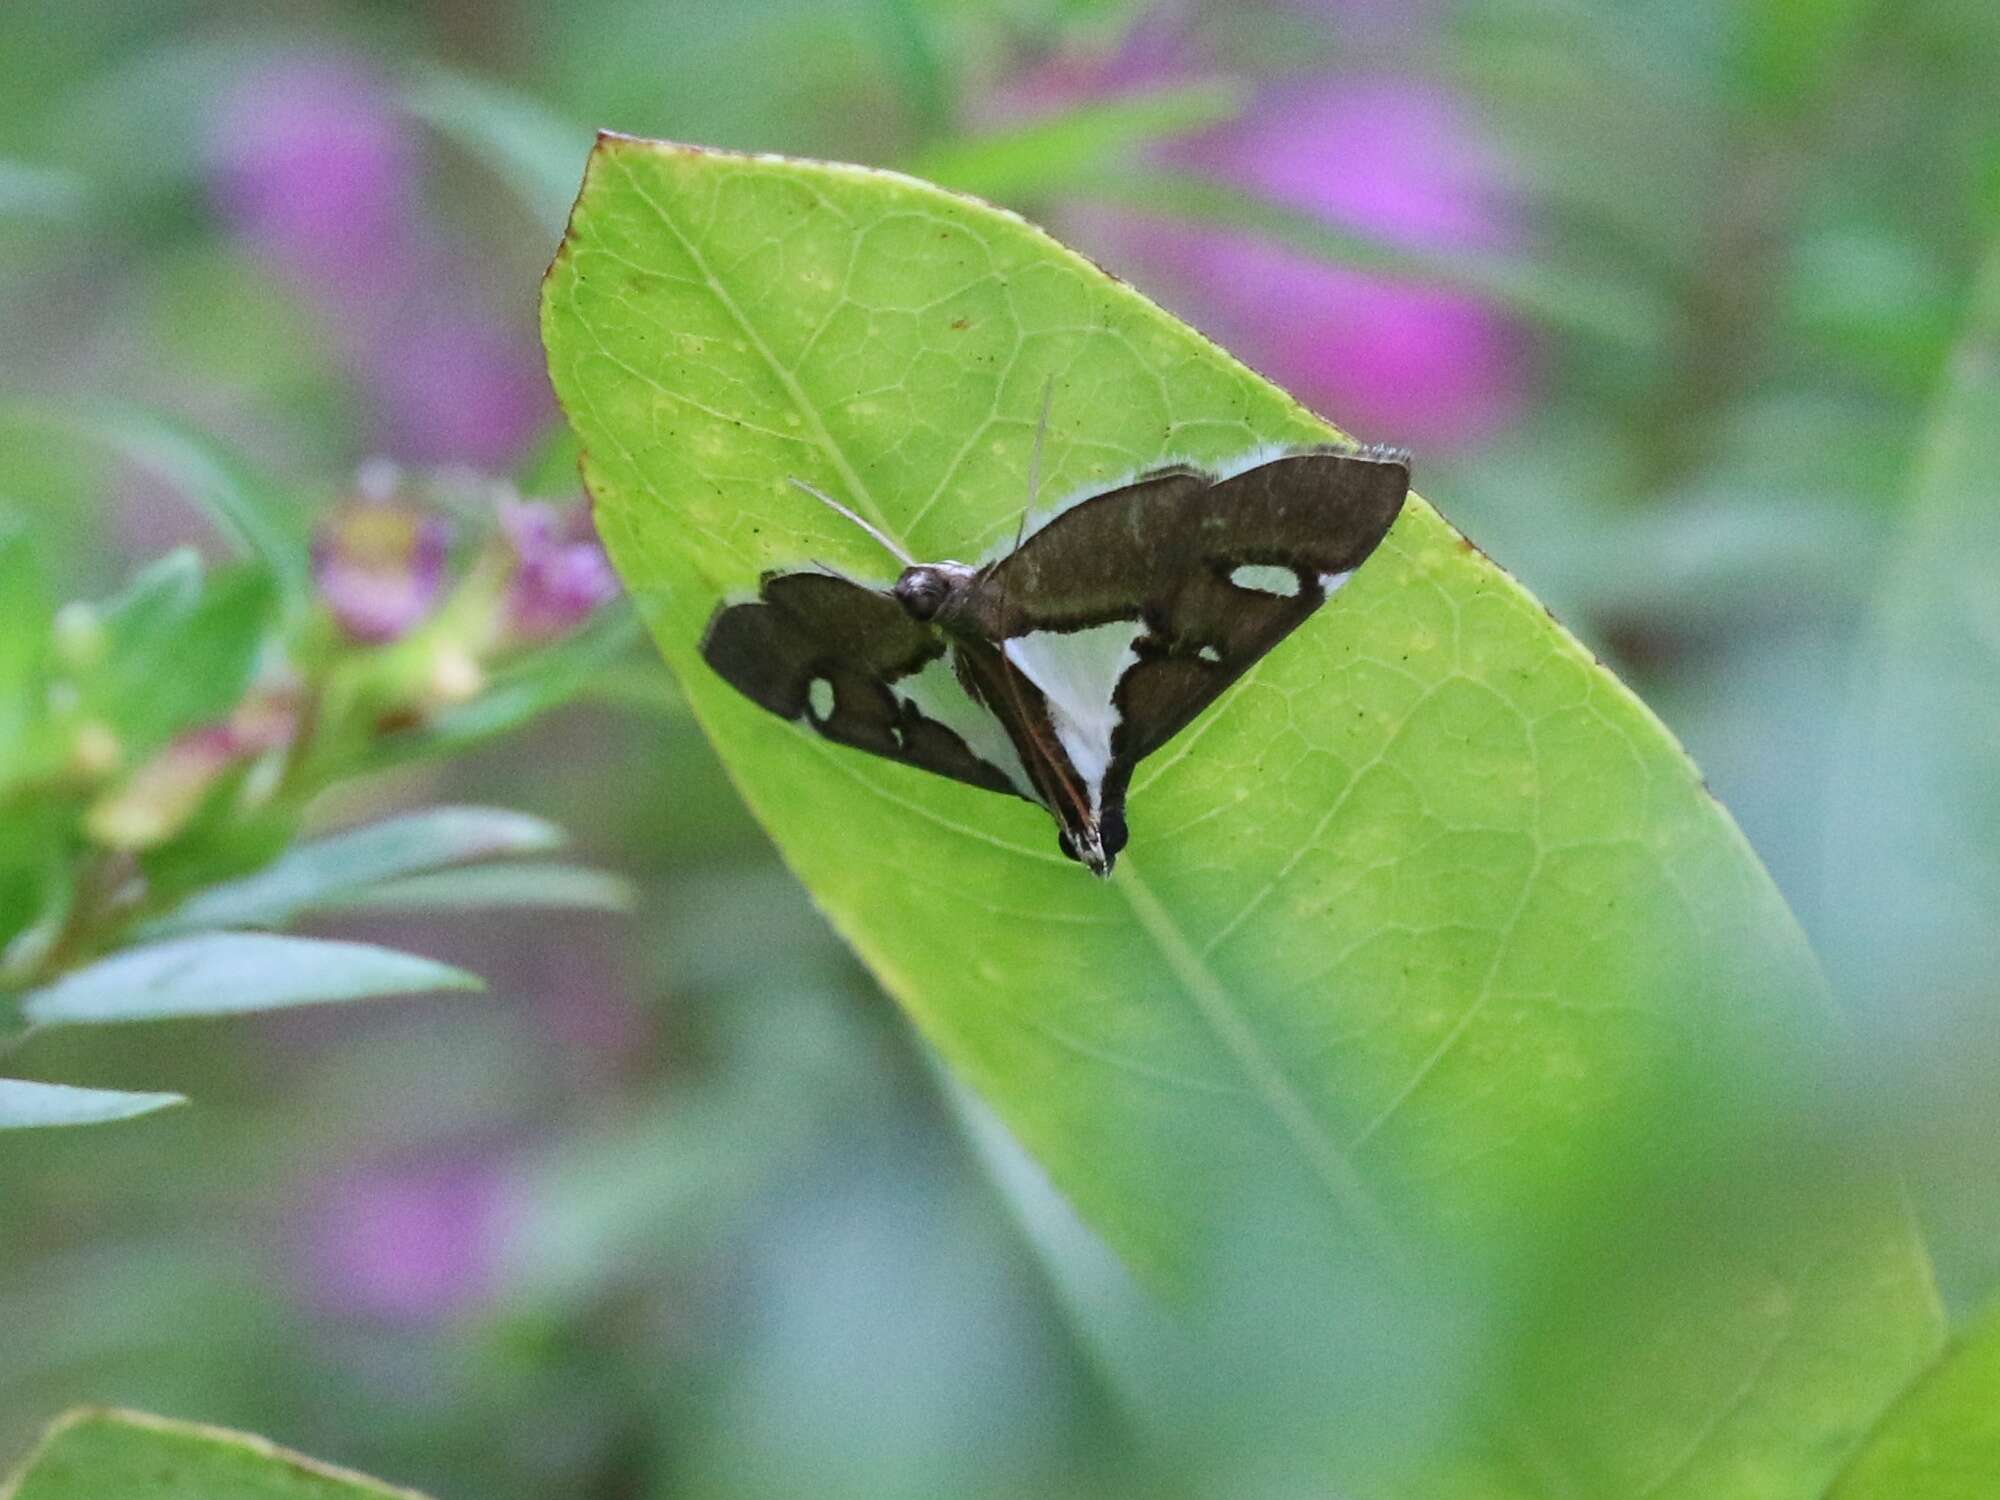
{"x": 1400, "y": 161}
{"x": 414, "y": 1241}
{"x": 315, "y": 171}
{"x": 561, "y": 574}
{"x": 379, "y": 567}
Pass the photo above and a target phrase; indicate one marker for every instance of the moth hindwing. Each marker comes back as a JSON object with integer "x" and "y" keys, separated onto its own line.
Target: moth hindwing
{"x": 1052, "y": 670}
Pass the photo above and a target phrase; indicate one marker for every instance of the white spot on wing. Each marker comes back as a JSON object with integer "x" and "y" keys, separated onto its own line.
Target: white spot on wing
{"x": 1078, "y": 671}
{"x": 1209, "y": 654}
{"x": 936, "y": 693}
{"x": 820, "y": 696}
{"x": 1330, "y": 583}
{"x": 1266, "y": 578}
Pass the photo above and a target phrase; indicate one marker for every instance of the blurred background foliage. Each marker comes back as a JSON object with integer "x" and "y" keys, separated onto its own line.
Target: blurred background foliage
{"x": 1664, "y": 293}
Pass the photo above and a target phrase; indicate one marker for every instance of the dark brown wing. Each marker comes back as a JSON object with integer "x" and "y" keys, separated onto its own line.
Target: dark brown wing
{"x": 829, "y": 652}
{"x": 1220, "y": 571}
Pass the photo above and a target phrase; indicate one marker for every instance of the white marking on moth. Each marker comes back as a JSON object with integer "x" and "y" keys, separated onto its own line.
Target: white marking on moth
{"x": 936, "y": 693}
{"x": 1078, "y": 672}
{"x": 1330, "y": 583}
{"x": 1266, "y": 578}
{"x": 1209, "y": 654}
{"x": 820, "y": 697}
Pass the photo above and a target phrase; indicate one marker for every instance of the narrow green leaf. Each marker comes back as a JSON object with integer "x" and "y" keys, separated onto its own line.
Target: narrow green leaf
{"x": 95, "y": 1454}
{"x": 179, "y": 653}
{"x": 336, "y": 869}
{"x": 1566, "y": 301}
{"x": 530, "y": 887}
{"x": 910, "y": 34}
{"x": 1049, "y": 155}
{"x": 248, "y": 508}
{"x": 1912, "y": 878}
{"x": 1942, "y": 1440}
{"x": 25, "y": 1105}
{"x": 1430, "y": 958}
{"x": 530, "y": 147}
{"x": 230, "y": 973}
{"x": 25, "y": 613}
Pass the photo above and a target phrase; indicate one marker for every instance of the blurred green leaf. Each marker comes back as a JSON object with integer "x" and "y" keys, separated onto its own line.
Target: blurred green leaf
{"x": 1942, "y": 1441}
{"x": 25, "y": 1105}
{"x": 534, "y": 150}
{"x": 94, "y": 1454}
{"x": 178, "y": 653}
{"x": 1790, "y": 53}
{"x": 1429, "y": 953}
{"x": 550, "y": 469}
{"x": 501, "y": 887}
{"x": 1049, "y": 155}
{"x": 248, "y": 508}
{"x": 336, "y": 869}
{"x": 1568, "y": 301}
{"x": 230, "y": 973}
{"x": 913, "y": 44}
{"x": 1912, "y": 870}
{"x": 47, "y": 193}
{"x": 520, "y": 693}
{"x": 25, "y": 613}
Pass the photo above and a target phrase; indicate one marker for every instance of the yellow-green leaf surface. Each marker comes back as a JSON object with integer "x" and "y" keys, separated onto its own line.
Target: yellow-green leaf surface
{"x": 1428, "y": 940}
{"x": 114, "y": 1455}
{"x": 1943, "y": 1441}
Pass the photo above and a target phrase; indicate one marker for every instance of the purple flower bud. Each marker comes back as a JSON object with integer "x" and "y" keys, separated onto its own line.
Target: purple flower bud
{"x": 561, "y": 574}
{"x": 379, "y": 567}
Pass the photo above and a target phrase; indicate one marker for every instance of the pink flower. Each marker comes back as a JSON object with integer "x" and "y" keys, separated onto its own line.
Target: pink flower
{"x": 561, "y": 574}
{"x": 1399, "y": 161}
{"x": 1395, "y": 159}
{"x": 380, "y": 567}
{"x": 410, "y": 1241}
{"x": 316, "y": 172}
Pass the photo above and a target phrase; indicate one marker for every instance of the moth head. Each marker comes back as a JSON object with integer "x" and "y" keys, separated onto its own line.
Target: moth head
{"x": 924, "y": 587}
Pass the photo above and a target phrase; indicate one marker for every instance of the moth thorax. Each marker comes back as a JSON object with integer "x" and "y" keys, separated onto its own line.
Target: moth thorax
{"x": 925, "y": 587}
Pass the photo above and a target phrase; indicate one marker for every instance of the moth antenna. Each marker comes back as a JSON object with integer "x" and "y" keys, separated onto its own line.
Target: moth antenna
{"x": 834, "y": 505}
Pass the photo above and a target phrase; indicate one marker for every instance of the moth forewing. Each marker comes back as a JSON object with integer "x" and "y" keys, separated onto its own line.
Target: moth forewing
{"x": 1108, "y": 626}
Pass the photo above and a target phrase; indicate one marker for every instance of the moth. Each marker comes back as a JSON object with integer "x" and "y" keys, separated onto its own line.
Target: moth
{"x": 1051, "y": 670}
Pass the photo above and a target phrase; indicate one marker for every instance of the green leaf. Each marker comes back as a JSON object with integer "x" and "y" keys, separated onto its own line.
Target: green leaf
{"x": 519, "y": 694}
{"x": 531, "y": 887}
{"x": 25, "y": 613}
{"x": 93, "y": 1454}
{"x": 25, "y": 1105}
{"x": 1912, "y": 879}
{"x": 1942, "y": 1441}
{"x": 1430, "y": 961}
{"x": 248, "y": 508}
{"x": 1051, "y": 154}
{"x": 231, "y": 973}
{"x": 534, "y": 150}
{"x": 334, "y": 870}
{"x": 178, "y": 653}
